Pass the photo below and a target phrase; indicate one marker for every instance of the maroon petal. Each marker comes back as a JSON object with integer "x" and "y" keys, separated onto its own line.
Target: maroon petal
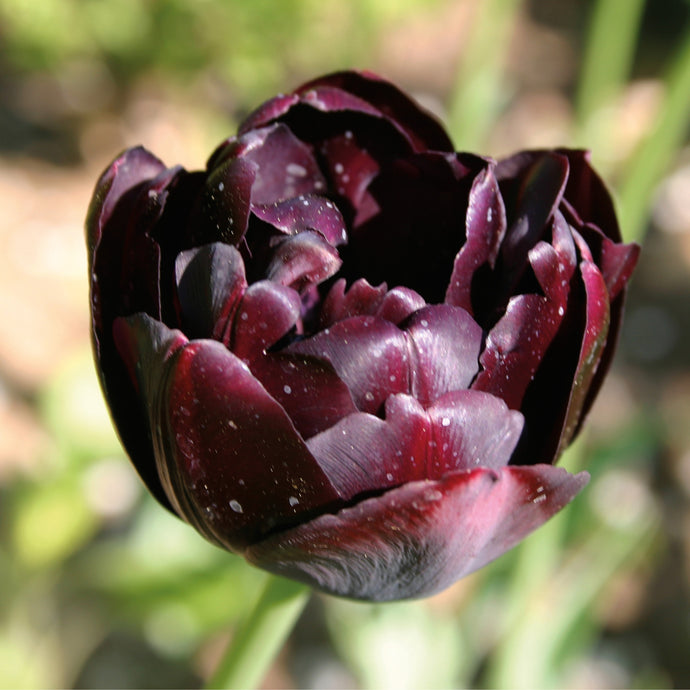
{"x": 302, "y": 260}
{"x": 308, "y": 388}
{"x": 285, "y": 167}
{"x": 444, "y": 344}
{"x": 363, "y": 454}
{"x": 370, "y": 355}
{"x": 265, "y": 314}
{"x": 471, "y": 429}
{"x": 420, "y": 538}
{"x": 210, "y": 284}
{"x": 399, "y": 303}
{"x": 586, "y": 195}
{"x": 516, "y": 345}
{"x": 350, "y": 167}
{"x": 144, "y": 346}
{"x": 229, "y": 458}
{"x": 222, "y": 212}
{"x": 305, "y": 212}
{"x": 335, "y": 91}
{"x": 128, "y": 170}
{"x": 361, "y": 299}
{"x": 124, "y": 262}
{"x": 268, "y": 112}
{"x": 532, "y": 185}
{"x": 485, "y": 227}
{"x": 596, "y": 330}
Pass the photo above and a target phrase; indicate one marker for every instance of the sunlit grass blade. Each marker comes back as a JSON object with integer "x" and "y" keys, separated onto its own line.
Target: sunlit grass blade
{"x": 479, "y": 89}
{"x": 609, "y": 54}
{"x": 657, "y": 150}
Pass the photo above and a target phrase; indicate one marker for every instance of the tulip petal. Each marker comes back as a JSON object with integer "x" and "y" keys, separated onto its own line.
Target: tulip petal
{"x": 415, "y": 236}
{"x": 444, "y": 344}
{"x": 370, "y": 355}
{"x": 302, "y": 260}
{"x": 210, "y": 284}
{"x": 265, "y": 314}
{"x": 399, "y": 303}
{"x": 436, "y": 352}
{"x": 131, "y": 168}
{"x": 222, "y": 210}
{"x": 364, "y": 300}
{"x": 485, "y": 227}
{"x": 305, "y": 212}
{"x": 229, "y": 457}
{"x": 361, "y": 299}
{"x": 285, "y": 167}
{"x": 532, "y": 184}
{"x": 333, "y": 93}
{"x": 363, "y": 454}
{"x": 418, "y": 539}
{"x": 308, "y": 388}
{"x": 125, "y": 262}
{"x": 586, "y": 196}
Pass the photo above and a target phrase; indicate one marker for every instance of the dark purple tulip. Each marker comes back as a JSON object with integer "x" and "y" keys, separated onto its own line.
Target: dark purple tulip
{"x": 345, "y": 351}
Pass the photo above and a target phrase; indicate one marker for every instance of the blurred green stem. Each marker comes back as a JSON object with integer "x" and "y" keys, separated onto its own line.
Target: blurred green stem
{"x": 478, "y": 90}
{"x": 609, "y": 53}
{"x": 262, "y": 634}
{"x": 656, "y": 151}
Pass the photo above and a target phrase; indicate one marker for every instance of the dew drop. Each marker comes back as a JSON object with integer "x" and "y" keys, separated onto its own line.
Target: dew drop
{"x": 235, "y": 505}
{"x": 445, "y": 421}
{"x": 287, "y": 389}
{"x": 296, "y": 169}
{"x": 221, "y": 186}
{"x": 293, "y": 500}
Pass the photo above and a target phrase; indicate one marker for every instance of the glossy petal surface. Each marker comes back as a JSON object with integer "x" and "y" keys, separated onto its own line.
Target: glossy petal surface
{"x": 420, "y": 538}
{"x": 348, "y": 352}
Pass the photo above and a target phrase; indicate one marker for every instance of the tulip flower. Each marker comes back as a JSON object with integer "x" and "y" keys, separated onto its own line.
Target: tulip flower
{"x": 347, "y": 352}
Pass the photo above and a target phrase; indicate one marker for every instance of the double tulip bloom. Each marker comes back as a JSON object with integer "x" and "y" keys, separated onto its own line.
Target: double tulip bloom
{"x": 347, "y": 352}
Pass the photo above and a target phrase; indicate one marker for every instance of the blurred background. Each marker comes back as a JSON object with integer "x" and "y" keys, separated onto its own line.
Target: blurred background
{"x": 99, "y": 587}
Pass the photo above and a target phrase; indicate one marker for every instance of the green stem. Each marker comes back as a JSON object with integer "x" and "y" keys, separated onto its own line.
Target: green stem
{"x": 262, "y": 634}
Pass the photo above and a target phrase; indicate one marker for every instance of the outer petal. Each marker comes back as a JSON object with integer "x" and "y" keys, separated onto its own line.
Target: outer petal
{"x": 420, "y": 538}
{"x": 124, "y": 263}
{"x": 359, "y": 92}
{"x": 228, "y": 455}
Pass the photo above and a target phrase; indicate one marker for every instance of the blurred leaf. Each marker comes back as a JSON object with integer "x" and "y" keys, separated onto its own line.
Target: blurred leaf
{"x": 609, "y": 52}
{"x": 658, "y": 149}
{"x": 51, "y": 522}
{"x": 479, "y": 89}
{"x": 398, "y": 646}
{"x": 74, "y": 411}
